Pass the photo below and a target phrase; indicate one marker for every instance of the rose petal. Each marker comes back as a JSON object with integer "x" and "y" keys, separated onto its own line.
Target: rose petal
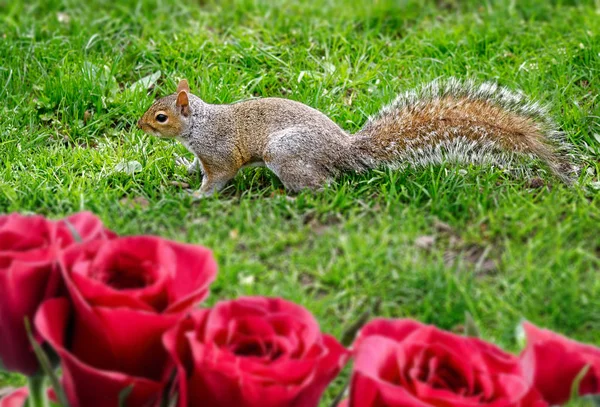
{"x": 368, "y": 392}
{"x": 196, "y": 270}
{"x": 88, "y": 226}
{"x": 431, "y": 367}
{"x": 19, "y": 396}
{"x": 213, "y": 370}
{"x": 141, "y": 272}
{"x": 375, "y": 355}
{"x": 15, "y": 399}
{"x": 29, "y": 279}
{"x": 21, "y": 233}
{"x": 261, "y": 307}
{"x": 84, "y": 385}
{"x": 122, "y": 340}
{"x": 176, "y": 344}
{"x": 110, "y": 266}
{"x": 97, "y": 293}
{"x": 397, "y": 329}
{"x": 328, "y": 368}
{"x": 553, "y": 361}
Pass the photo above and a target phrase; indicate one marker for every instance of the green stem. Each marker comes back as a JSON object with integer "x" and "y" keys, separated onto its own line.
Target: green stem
{"x": 37, "y": 391}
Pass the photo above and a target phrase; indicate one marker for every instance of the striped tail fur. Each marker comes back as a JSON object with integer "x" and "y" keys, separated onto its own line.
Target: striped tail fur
{"x": 461, "y": 121}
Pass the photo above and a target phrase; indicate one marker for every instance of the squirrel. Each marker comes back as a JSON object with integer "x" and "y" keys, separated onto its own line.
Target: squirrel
{"x": 451, "y": 120}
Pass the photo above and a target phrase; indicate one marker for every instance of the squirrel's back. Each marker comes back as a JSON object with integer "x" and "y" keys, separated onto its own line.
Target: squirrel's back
{"x": 459, "y": 121}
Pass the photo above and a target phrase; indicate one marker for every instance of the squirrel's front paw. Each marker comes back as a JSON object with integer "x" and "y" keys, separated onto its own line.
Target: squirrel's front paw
{"x": 192, "y": 166}
{"x": 196, "y": 194}
{"x": 184, "y": 162}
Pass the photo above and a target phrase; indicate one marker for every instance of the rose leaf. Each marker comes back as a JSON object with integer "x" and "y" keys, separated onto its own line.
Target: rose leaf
{"x": 146, "y": 83}
{"x": 124, "y": 394}
{"x": 46, "y": 366}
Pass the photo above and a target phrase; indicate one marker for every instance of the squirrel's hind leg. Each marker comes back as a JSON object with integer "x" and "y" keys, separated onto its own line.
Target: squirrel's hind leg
{"x": 290, "y": 154}
{"x": 298, "y": 174}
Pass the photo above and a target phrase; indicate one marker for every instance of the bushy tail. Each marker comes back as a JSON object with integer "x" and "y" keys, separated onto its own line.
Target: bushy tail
{"x": 460, "y": 121}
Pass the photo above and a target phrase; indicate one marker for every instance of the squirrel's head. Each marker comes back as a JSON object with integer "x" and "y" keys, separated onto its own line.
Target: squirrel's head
{"x": 168, "y": 116}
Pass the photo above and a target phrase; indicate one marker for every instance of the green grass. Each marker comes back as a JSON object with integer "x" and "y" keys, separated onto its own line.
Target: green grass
{"x": 503, "y": 250}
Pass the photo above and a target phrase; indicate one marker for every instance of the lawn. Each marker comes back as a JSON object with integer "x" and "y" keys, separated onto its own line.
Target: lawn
{"x": 430, "y": 243}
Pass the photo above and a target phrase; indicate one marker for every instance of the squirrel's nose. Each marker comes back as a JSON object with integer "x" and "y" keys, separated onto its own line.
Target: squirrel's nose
{"x": 139, "y": 124}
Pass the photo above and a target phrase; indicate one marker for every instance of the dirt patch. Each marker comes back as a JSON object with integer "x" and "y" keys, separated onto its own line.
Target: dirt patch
{"x": 135, "y": 203}
{"x": 480, "y": 256}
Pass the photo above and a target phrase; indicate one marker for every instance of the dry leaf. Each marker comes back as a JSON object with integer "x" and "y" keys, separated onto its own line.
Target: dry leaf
{"x": 63, "y": 18}
{"x": 128, "y": 167}
{"x": 442, "y": 227}
{"x": 147, "y": 82}
{"x": 425, "y": 242}
{"x": 137, "y": 202}
{"x": 87, "y": 115}
{"x": 180, "y": 184}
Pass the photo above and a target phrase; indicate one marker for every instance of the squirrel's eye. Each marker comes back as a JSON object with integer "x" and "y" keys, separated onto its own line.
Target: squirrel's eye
{"x": 161, "y": 118}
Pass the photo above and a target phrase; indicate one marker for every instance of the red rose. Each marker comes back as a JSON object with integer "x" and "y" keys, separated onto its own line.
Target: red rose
{"x": 124, "y": 293}
{"x": 257, "y": 352}
{"x": 20, "y": 233}
{"x": 28, "y": 275}
{"x": 554, "y": 362}
{"x": 15, "y": 399}
{"x": 86, "y": 385}
{"x": 405, "y": 363}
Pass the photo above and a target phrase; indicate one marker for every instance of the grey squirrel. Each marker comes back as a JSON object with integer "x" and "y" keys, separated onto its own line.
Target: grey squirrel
{"x": 449, "y": 120}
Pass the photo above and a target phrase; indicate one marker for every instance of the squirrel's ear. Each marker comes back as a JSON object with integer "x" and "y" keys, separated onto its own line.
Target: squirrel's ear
{"x": 183, "y": 102}
{"x": 183, "y": 85}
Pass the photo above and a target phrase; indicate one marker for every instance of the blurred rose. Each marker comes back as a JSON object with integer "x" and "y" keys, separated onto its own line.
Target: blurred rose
{"x": 125, "y": 293}
{"x": 405, "y": 363}
{"x": 15, "y": 399}
{"x": 28, "y": 275}
{"x": 253, "y": 352}
{"x": 19, "y": 396}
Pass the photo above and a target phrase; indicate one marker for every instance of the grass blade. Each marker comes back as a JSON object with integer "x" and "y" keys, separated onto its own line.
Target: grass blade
{"x": 471, "y": 328}
{"x": 73, "y": 231}
{"x": 351, "y": 331}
